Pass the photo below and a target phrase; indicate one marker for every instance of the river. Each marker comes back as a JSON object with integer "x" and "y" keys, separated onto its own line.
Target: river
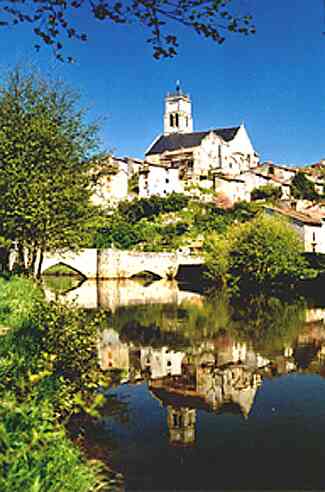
{"x": 209, "y": 395}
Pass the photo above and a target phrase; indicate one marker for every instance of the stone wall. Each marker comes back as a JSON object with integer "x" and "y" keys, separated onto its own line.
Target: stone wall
{"x": 114, "y": 264}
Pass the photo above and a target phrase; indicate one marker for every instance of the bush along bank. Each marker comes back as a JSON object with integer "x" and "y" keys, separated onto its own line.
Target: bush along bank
{"x": 48, "y": 372}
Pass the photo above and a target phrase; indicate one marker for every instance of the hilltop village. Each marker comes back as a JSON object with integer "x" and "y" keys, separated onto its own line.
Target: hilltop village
{"x": 219, "y": 165}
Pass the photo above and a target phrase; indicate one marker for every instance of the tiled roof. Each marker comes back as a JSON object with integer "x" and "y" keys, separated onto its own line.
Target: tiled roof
{"x": 279, "y": 166}
{"x": 227, "y": 177}
{"x": 293, "y": 214}
{"x": 176, "y": 141}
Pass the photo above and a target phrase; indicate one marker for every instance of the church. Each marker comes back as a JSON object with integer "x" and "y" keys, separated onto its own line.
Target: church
{"x": 180, "y": 159}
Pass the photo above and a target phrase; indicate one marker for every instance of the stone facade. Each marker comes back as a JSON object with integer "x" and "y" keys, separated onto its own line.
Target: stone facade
{"x": 112, "y": 176}
{"x": 181, "y": 158}
{"x": 113, "y": 263}
{"x": 111, "y": 181}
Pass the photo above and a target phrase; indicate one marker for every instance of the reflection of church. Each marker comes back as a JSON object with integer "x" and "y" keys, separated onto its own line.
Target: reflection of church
{"x": 217, "y": 375}
{"x": 181, "y": 425}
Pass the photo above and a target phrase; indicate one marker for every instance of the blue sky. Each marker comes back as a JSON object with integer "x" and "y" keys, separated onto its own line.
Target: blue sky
{"x": 274, "y": 81}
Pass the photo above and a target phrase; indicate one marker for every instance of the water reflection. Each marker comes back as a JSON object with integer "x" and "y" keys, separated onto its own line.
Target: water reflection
{"x": 111, "y": 294}
{"x": 212, "y": 384}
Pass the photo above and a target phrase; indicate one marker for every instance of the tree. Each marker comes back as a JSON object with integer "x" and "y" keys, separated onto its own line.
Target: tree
{"x": 51, "y": 19}
{"x": 303, "y": 188}
{"x": 45, "y": 164}
{"x": 266, "y": 192}
{"x": 263, "y": 252}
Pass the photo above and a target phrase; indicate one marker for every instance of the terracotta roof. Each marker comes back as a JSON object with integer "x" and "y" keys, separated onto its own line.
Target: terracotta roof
{"x": 293, "y": 214}
{"x": 176, "y": 141}
{"x": 280, "y": 166}
{"x": 226, "y": 177}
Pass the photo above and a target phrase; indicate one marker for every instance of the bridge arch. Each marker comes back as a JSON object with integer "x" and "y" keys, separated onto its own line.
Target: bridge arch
{"x": 68, "y": 267}
{"x": 83, "y": 262}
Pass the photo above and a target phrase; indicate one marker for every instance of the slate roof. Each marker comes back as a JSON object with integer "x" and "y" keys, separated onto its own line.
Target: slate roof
{"x": 176, "y": 141}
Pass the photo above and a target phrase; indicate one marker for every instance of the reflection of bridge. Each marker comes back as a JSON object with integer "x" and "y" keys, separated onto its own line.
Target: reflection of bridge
{"x": 111, "y": 294}
{"x": 112, "y": 263}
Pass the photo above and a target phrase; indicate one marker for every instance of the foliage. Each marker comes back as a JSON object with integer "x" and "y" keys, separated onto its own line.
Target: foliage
{"x": 17, "y": 298}
{"x": 45, "y": 147}
{"x": 133, "y": 183}
{"x": 55, "y": 357}
{"x": 265, "y": 251}
{"x": 166, "y": 223}
{"x": 134, "y": 224}
{"x": 266, "y": 192}
{"x": 303, "y": 188}
{"x": 270, "y": 323}
{"x": 48, "y": 371}
{"x": 36, "y": 455}
{"x": 52, "y": 21}
{"x": 150, "y": 207}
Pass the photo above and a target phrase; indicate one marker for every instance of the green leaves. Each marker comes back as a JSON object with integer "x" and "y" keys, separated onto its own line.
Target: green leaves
{"x": 303, "y": 188}
{"x": 45, "y": 180}
{"x": 263, "y": 252}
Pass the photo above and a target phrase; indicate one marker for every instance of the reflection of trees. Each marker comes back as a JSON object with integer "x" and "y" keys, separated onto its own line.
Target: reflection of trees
{"x": 269, "y": 322}
{"x": 151, "y": 335}
{"x": 171, "y": 324}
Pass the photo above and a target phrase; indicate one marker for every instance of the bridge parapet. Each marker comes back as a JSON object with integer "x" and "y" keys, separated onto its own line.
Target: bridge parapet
{"x": 114, "y": 264}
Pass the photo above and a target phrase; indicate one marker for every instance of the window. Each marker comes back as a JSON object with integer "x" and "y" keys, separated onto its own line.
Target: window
{"x": 186, "y": 120}
{"x": 167, "y": 180}
{"x": 171, "y": 120}
{"x": 176, "y": 120}
{"x": 314, "y": 236}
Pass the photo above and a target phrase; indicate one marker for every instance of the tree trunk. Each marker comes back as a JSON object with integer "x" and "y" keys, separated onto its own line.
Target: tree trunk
{"x": 33, "y": 259}
{"x": 4, "y": 259}
{"x": 21, "y": 258}
{"x": 40, "y": 262}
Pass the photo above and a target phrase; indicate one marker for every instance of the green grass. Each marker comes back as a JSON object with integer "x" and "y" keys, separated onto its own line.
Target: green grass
{"x": 48, "y": 370}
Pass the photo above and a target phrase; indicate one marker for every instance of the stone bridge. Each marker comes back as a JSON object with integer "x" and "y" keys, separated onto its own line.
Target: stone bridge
{"x": 114, "y": 264}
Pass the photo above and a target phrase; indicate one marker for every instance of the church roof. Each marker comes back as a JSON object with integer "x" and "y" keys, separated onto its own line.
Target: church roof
{"x": 176, "y": 141}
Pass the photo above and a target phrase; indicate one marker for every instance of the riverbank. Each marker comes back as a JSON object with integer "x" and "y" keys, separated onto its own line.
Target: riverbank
{"x": 48, "y": 373}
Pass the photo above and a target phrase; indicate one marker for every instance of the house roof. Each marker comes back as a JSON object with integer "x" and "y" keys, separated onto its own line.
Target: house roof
{"x": 293, "y": 214}
{"x": 284, "y": 167}
{"x": 176, "y": 141}
{"x": 227, "y": 177}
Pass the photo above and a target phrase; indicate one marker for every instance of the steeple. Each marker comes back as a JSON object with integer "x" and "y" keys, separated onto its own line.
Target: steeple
{"x": 178, "y": 112}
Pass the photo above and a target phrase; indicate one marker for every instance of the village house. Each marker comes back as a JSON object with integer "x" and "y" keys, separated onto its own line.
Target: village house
{"x": 181, "y": 158}
{"x": 256, "y": 178}
{"x": 310, "y": 229}
{"x": 112, "y": 175}
{"x": 280, "y": 171}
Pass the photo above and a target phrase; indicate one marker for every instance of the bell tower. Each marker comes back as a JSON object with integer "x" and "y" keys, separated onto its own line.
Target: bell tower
{"x": 178, "y": 112}
{"x": 181, "y": 425}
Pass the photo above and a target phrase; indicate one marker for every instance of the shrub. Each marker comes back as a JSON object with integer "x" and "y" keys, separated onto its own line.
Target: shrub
{"x": 266, "y": 192}
{"x": 303, "y": 188}
{"x": 265, "y": 251}
{"x": 149, "y": 207}
{"x": 36, "y": 455}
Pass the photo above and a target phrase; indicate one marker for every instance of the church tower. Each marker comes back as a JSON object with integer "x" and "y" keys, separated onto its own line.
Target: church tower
{"x": 178, "y": 113}
{"x": 181, "y": 425}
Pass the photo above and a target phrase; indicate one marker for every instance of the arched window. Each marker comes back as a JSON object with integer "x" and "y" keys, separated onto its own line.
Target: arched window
{"x": 171, "y": 120}
{"x": 176, "y": 122}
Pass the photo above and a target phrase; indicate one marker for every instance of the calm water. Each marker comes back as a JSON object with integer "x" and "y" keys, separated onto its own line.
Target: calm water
{"x": 211, "y": 396}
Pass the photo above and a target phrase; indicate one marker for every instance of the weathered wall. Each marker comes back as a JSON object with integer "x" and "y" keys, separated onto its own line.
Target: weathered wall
{"x": 111, "y": 263}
